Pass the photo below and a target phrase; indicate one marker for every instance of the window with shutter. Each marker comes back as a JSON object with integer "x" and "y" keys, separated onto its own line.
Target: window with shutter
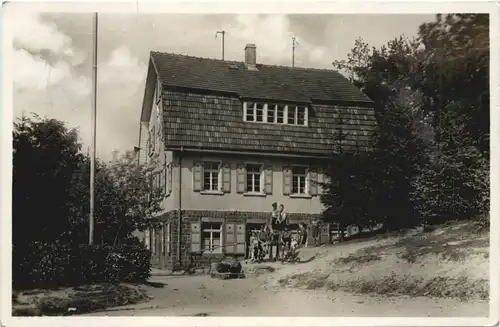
{"x": 312, "y": 175}
{"x": 268, "y": 179}
{"x": 226, "y": 178}
{"x": 287, "y": 181}
{"x": 241, "y": 179}
{"x": 230, "y": 239}
{"x": 254, "y": 179}
{"x": 211, "y": 176}
{"x": 299, "y": 180}
{"x": 198, "y": 176}
{"x": 211, "y": 237}
{"x": 195, "y": 237}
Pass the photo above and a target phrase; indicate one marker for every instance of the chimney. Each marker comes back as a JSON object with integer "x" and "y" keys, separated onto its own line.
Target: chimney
{"x": 251, "y": 56}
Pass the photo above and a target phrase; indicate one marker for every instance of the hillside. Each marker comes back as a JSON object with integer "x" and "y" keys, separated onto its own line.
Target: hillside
{"x": 444, "y": 273}
{"x": 451, "y": 261}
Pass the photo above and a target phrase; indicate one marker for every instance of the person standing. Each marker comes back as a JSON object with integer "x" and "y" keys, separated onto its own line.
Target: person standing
{"x": 271, "y": 224}
{"x": 281, "y": 222}
{"x": 303, "y": 235}
{"x": 315, "y": 230}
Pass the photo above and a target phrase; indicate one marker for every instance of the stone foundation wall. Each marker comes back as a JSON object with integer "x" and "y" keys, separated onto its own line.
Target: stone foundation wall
{"x": 236, "y": 220}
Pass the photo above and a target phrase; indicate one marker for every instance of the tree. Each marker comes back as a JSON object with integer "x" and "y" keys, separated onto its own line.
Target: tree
{"x": 125, "y": 200}
{"x": 431, "y": 102}
{"x": 51, "y": 188}
{"x": 46, "y": 153}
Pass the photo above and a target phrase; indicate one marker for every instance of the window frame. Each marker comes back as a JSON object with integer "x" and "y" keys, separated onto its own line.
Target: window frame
{"x": 211, "y": 231}
{"x": 219, "y": 176}
{"x": 280, "y": 113}
{"x": 261, "y": 177}
{"x": 306, "y": 180}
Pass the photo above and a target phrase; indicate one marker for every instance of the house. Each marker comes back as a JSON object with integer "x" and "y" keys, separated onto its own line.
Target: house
{"x": 231, "y": 138}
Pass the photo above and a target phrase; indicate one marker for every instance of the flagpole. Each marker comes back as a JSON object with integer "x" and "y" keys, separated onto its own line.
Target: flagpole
{"x": 93, "y": 147}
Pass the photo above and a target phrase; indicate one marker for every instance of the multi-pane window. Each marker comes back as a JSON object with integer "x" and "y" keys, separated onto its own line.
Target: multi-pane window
{"x": 254, "y": 172}
{"x": 271, "y": 113}
{"x": 291, "y": 115}
{"x": 211, "y": 176}
{"x": 299, "y": 176}
{"x": 275, "y": 113}
{"x": 280, "y": 114}
{"x": 301, "y": 116}
{"x": 211, "y": 237}
{"x": 259, "y": 112}
{"x": 250, "y": 111}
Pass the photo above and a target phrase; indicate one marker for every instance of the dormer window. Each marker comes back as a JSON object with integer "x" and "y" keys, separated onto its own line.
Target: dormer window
{"x": 275, "y": 113}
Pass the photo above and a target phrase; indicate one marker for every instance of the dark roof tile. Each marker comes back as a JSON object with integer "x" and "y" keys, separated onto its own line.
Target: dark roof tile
{"x": 269, "y": 82}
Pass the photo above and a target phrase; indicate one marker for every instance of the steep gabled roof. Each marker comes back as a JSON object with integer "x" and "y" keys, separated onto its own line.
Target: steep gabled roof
{"x": 203, "y": 110}
{"x": 268, "y": 82}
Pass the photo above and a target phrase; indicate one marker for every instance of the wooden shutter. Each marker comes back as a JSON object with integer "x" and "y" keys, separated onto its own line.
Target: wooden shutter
{"x": 226, "y": 178}
{"x": 195, "y": 237}
{"x": 241, "y": 179}
{"x": 198, "y": 176}
{"x": 268, "y": 179}
{"x": 313, "y": 181}
{"x": 230, "y": 239}
{"x": 168, "y": 176}
{"x": 287, "y": 180}
{"x": 240, "y": 238}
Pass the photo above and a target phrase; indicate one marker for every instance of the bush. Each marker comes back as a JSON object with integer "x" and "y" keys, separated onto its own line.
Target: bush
{"x": 49, "y": 265}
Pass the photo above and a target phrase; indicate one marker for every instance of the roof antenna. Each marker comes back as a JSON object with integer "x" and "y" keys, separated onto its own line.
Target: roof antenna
{"x": 223, "y": 34}
{"x": 294, "y": 44}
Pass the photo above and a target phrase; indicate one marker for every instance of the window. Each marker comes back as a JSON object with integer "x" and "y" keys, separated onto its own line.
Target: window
{"x": 211, "y": 176}
{"x": 254, "y": 173}
{"x": 275, "y": 113}
{"x": 250, "y": 111}
{"x": 291, "y": 115}
{"x": 259, "y": 112}
{"x": 301, "y": 116}
{"x": 211, "y": 237}
{"x": 271, "y": 113}
{"x": 280, "y": 114}
{"x": 299, "y": 176}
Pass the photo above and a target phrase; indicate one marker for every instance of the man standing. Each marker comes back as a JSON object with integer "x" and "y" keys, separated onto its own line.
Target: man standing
{"x": 281, "y": 222}
{"x": 271, "y": 225}
{"x": 315, "y": 230}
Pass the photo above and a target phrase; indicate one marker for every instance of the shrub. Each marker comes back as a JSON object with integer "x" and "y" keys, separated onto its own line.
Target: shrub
{"x": 48, "y": 265}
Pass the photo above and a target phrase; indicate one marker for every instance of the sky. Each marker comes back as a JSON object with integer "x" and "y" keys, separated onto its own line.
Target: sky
{"x": 53, "y": 57}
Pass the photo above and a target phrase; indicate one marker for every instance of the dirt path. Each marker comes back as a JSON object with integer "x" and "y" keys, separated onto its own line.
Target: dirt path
{"x": 450, "y": 253}
{"x": 254, "y": 297}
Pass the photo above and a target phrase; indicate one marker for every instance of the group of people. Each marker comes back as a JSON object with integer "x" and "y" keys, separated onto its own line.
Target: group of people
{"x": 276, "y": 233}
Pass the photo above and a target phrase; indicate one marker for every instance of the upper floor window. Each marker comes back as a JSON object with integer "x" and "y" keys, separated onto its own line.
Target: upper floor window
{"x": 300, "y": 181}
{"x": 211, "y": 176}
{"x": 254, "y": 180}
{"x": 299, "y": 178}
{"x": 275, "y": 113}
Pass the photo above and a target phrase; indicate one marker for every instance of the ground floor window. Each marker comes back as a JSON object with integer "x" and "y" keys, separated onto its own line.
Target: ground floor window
{"x": 211, "y": 238}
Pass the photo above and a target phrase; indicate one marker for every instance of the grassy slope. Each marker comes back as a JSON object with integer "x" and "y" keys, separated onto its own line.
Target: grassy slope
{"x": 451, "y": 261}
